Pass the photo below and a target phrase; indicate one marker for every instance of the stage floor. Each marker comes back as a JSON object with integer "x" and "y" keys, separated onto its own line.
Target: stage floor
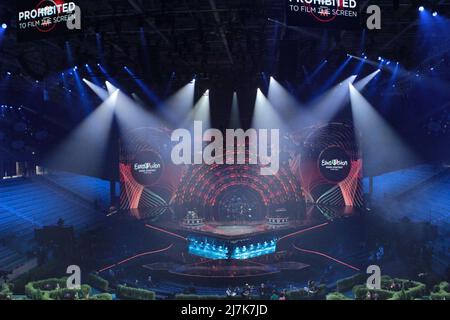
{"x": 315, "y": 215}
{"x": 227, "y": 269}
{"x": 231, "y": 230}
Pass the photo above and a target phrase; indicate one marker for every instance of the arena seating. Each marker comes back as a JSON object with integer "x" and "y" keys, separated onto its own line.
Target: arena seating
{"x": 89, "y": 188}
{"x": 421, "y": 193}
{"x": 26, "y": 204}
{"x": 433, "y": 198}
{"x": 395, "y": 183}
{"x": 9, "y": 259}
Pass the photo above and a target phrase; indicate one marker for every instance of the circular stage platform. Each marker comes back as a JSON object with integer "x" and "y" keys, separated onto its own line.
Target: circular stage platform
{"x": 224, "y": 269}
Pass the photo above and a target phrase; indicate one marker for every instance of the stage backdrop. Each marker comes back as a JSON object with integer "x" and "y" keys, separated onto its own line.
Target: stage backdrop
{"x": 318, "y": 165}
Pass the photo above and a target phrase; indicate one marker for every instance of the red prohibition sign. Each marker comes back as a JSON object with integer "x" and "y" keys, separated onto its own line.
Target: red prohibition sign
{"x": 55, "y": 2}
{"x": 333, "y": 17}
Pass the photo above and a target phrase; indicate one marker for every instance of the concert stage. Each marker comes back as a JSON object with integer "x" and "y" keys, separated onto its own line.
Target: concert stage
{"x": 242, "y": 240}
{"x": 297, "y": 141}
{"x": 235, "y": 230}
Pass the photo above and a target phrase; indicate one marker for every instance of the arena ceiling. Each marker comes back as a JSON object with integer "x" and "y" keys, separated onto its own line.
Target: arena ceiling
{"x": 210, "y": 38}
{"x": 218, "y": 41}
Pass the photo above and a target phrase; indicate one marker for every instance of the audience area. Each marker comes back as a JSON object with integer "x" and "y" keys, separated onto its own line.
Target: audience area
{"x": 30, "y": 203}
{"x": 417, "y": 194}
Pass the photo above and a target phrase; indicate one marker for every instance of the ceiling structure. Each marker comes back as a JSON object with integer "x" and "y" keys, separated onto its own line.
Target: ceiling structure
{"x": 209, "y": 38}
{"x": 220, "y": 42}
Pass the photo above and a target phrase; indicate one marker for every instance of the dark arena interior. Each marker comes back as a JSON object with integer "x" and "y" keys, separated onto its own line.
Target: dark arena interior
{"x": 225, "y": 150}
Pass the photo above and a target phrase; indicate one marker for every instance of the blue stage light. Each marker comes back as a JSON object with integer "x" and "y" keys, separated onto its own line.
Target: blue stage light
{"x": 434, "y": 13}
{"x": 145, "y": 89}
{"x": 421, "y": 8}
{"x": 4, "y": 26}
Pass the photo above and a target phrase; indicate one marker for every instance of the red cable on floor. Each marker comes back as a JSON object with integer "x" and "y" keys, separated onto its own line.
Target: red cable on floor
{"x": 135, "y": 257}
{"x": 327, "y": 256}
{"x": 303, "y": 231}
{"x": 165, "y": 231}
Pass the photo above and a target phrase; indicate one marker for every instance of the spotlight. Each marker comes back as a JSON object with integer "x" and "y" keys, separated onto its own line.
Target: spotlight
{"x": 4, "y": 26}
{"x": 421, "y": 8}
{"x": 434, "y": 13}
{"x": 379, "y": 58}
{"x": 8, "y": 73}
